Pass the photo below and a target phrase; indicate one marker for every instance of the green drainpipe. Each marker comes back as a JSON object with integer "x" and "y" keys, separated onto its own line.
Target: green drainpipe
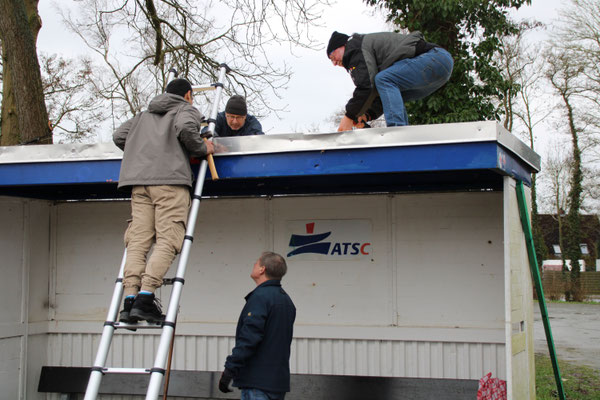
{"x": 533, "y": 265}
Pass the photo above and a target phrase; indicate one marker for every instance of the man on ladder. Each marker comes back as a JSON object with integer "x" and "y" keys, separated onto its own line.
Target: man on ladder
{"x": 157, "y": 145}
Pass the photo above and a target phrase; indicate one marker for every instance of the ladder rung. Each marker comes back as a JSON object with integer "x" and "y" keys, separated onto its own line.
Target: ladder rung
{"x": 171, "y": 281}
{"x": 203, "y": 87}
{"x": 126, "y": 370}
{"x": 139, "y": 325}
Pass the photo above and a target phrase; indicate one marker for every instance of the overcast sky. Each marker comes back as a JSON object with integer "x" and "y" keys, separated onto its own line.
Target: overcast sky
{"x": 317, "y": 89}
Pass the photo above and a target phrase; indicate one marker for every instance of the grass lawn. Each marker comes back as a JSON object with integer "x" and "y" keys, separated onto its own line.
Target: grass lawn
{"x": 579, "y": 382}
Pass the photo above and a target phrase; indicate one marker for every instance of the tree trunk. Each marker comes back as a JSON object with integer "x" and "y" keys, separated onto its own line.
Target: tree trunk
{"x": 9, "y": 131}
{"x": 573, "y": 217}
{"x": 24, "y": 114}
{"x": 561, "y": 240}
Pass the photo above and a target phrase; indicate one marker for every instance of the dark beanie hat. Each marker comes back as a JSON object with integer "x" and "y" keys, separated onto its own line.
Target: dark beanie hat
{"x": 179, "y": 87}
{"x": 236, "y": 105}
{"x": 337, "y": 40}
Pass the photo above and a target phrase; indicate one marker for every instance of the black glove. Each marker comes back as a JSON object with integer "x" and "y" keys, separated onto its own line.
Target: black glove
{"x": 225, "y": 380}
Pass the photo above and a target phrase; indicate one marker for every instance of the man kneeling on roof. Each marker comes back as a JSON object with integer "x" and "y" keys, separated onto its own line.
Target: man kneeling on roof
{"x": 387, "y": 69}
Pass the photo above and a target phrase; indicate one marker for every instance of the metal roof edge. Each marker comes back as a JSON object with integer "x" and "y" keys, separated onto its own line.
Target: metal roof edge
{"x": 518, "y": 147}
{"x": 412, "y": 135}
{"x": 59, "y": 152}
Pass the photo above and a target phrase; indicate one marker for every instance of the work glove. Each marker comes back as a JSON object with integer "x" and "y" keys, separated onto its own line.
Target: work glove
{"x": 225, "y": 380}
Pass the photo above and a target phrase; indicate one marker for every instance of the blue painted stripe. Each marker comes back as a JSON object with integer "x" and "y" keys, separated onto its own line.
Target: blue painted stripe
{"x": 355, "y": 161}
{"x": 48, "y": 173}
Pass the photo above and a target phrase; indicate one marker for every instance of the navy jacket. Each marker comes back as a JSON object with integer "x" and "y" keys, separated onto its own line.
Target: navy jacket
{"x": 250, "y": 127}
{"x": 261, "y": 356}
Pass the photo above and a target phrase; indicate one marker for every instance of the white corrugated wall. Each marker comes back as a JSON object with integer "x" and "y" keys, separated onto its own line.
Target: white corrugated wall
{"x": 413, "y": 359}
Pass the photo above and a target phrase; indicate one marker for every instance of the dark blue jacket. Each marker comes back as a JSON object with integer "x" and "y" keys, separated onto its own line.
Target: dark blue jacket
{"x": 261, "y": 356}
{"x": 250, "y": 127}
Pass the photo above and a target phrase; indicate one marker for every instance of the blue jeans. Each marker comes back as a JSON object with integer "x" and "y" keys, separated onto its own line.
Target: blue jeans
{"x": 257, "y": 394}
{"x": 411, "y": 79}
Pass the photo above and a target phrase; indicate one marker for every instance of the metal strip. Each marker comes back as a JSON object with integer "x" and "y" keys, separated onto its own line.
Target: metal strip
{"x": 59, "y": 152}
{"x": 416, "y": 135}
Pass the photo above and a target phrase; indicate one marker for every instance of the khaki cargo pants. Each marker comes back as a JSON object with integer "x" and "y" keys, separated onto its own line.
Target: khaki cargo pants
{"x": 159, "y": 215}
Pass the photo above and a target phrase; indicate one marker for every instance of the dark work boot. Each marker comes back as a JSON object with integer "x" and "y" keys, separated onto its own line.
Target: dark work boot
{"x": 146, "y": 308}
{"x": 127, "y": 303}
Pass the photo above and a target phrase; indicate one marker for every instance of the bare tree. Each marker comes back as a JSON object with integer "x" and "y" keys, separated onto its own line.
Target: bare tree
{"x": 556, "y": 166}
{"x": 554, "y": 199}
{"x": 564, "y": 73}
{"x": 579, "y": 31}
{"x": 24, "y": 115}
{"x": 591, "y": 189}
{"x": 575, "y": 75}
{"x": 513, "y": 61}
{"x": 521, "y": 68}
{"x": 75, "y": 108}
{"x": 139, "y": 40}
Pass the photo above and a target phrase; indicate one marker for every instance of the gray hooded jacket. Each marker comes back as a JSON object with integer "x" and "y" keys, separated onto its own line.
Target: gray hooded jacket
{"x": 158, "y": 143}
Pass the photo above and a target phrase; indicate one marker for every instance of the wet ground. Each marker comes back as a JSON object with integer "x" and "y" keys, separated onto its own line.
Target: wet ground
{"x": 575, "y": 329}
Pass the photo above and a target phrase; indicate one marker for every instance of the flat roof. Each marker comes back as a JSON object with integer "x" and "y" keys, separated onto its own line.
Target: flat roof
{"x": 460, "y": 156}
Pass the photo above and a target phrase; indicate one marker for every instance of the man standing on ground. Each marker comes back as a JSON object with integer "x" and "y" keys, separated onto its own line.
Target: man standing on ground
{"x": 259, "y": 363}
{"x": 235, "y": 120}
{"x": 388, "y": 69}
{"x": 157, "y": 146}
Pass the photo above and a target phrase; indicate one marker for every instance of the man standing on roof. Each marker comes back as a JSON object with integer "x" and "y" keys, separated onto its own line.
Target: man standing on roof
{"x": 235, "y": 120}
{"x": 388, "y": 69}
{"x": 259, "y": 363}
{"x": 157, "y": 146}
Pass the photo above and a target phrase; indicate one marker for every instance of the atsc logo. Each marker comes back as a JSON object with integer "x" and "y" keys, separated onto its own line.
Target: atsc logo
{"x": 337, "y": 238}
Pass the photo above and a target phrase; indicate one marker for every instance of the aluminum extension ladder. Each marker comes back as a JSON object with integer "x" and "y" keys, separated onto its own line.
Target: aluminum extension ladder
{"x": 157, "y": 372}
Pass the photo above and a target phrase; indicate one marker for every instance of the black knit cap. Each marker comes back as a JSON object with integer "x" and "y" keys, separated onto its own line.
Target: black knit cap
{"x": 179, "y": 87}
{"x": 337, "y": 40}
{"x": 236, "y": 105}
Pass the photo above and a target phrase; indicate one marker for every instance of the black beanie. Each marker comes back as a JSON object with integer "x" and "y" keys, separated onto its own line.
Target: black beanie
{"x": 337, "y": 40}
{"x": 236, "y": 105}
{"x": 179, "y": 87}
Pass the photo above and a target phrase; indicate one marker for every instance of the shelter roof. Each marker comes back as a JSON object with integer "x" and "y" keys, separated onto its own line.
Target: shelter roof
{"x": 460, "y": 156}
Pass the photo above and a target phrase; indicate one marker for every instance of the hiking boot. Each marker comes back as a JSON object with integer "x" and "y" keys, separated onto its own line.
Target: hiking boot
{"x": 146, "y": 308}
{"x": 127, "y": 304}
